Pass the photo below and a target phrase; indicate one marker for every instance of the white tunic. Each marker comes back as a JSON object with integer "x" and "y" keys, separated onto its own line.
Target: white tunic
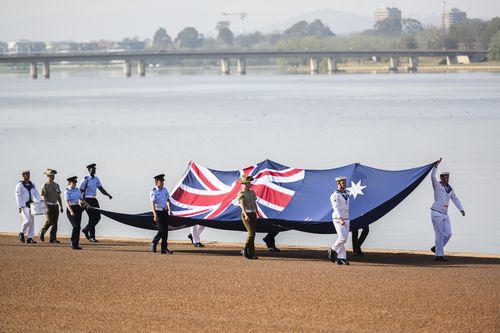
{"x": 23, "y": 196}
{"x": 340, "y": 205}
{"x": 442, "y": 195}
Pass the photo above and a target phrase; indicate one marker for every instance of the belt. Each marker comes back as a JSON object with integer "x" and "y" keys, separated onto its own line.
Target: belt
{"x": 161, "y": 209}
{"x": 51, "y": 203}
{"x": 90, "y": 197}
{"x": 437, "y": 211}
{"x": 250, "y": 211}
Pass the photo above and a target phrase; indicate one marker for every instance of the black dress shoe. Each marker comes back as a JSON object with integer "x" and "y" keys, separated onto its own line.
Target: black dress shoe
{"x": 42, "y": 237}
{"x": 75, "y": 247}
{"x": 343, "y": 262}
{"x": 167, "y": 251}
{"x": 441, "y": 258}
{"x": 253, "y": 256}
{"x": 358, "y": 253}
{"x": 21, "y": 237}
{"x": 54, "y": 241}
{"x": 152, "y": 247}
{"x": 433, "y": 249}
{"x": 199, "y": 245}
{"x": 86, "y": 234}
{"x": 274, "y": 249}
{"x": 332, "y": 255}
{"x": 30, "y": 241}
{"x": 191, "y": 238}
{"x": 93, "y": 240}
{"x": 245, "y": 253}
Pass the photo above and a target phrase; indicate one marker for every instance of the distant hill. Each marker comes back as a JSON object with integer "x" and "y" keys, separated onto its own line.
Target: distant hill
{"x": 339, "y": 22}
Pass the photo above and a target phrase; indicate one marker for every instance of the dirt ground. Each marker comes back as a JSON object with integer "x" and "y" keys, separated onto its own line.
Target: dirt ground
{"x": 118, "y": 285}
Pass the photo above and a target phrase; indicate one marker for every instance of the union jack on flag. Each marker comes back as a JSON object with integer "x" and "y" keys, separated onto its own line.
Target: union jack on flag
{"x": 210, "y": 194}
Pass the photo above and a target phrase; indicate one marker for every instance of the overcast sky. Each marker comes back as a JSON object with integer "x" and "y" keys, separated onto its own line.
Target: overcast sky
{"x": 51, "y": 20}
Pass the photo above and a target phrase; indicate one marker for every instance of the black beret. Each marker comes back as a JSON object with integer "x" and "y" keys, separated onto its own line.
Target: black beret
{"x": 91, "y": 166}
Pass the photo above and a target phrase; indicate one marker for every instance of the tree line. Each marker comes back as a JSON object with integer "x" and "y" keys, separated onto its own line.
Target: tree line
{"x": 390, "y": 34}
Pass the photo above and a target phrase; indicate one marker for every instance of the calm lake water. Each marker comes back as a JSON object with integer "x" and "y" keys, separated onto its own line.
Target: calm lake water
{"x": 136, "y": 128}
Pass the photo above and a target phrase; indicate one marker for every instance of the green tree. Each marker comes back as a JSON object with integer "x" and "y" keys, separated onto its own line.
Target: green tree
{"x": 495, "y": 47}
{"x": 161, "y": 40}
{"x": 388, "y": 27}
{"x": 408, "y": 43}
{"x": 467, "y": 32}
{"x": 411, "y": 26}
{"x": 225, "y": 34}
{"x": 491, "y": 29}
{"x": 248, "y": 40}
{"x": 189, "y": 38}
{"x": 319, "y": 30}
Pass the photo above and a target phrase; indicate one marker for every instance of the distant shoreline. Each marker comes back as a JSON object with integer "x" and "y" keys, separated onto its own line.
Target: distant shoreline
{"x": 349, "y": 68}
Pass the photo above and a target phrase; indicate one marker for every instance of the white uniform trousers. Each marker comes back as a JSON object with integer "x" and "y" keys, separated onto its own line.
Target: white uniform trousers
{"x": 442, "y": 231}
{"x": 196, "y": 232}
{"x": 343, "y": 233}
{"x": 28, "y": 224}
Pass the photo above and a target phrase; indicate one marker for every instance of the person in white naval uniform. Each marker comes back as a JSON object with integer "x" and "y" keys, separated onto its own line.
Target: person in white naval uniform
{"x": 443, "y": 192}
{"x": 340, "y": 216}
{"x": 25, "y": 193}
{"x": 195, "y": 234}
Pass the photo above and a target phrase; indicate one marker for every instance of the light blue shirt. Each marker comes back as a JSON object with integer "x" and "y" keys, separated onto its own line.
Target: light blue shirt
{"x": 90, "y": 185}
{"x": 72, "y": 196}
{"x": 159, "y": 197}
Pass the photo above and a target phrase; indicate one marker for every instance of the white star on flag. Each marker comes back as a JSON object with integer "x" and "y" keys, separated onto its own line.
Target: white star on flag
{"x": 356, "y": 189}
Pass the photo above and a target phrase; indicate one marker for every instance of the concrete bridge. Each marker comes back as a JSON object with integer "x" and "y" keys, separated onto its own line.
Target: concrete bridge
{"x": 141, "y": 58}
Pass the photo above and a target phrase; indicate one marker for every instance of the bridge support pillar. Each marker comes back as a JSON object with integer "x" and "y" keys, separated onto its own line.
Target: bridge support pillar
{"x": 393, "y": 64}
{"x": 33, "y": 70}
{"x": 332, "y": 65}
{"x": 242, "y": 66}
{"x": 412, "y": 64}
{"x": 314, "y": 65}
{"x": 224, "y": 66}
{"x": 451, "y": 60}
{"x": 141, "y": 68}
{"x": 127, "y": 68}
{"x": 46, "y": 70}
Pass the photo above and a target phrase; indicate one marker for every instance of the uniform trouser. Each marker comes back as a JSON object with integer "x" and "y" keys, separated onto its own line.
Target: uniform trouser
{"x": 51, "y": 218}
{"x": 343, "y": 233}
{"x": 251, "y": 225}
{"x": 196, "y": 232}
{"x": 442, "y": 231}
{"x": 271, "y": 238}
{"x": 28, "y": 224}
{"x": 162, "y": 233}
{"x": 358, "y": 241}
{"x": 94, "y": 216}
{"x": 76, "y": 222}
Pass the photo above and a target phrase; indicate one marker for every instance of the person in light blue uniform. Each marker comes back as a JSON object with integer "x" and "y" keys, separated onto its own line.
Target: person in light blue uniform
{"x": 74, "y": 211}
{"x": 160, "y": 206}
{"x": 89, "y": 186}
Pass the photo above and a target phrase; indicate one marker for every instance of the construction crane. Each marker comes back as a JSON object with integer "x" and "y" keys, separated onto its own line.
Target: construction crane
{"x": 242, "y": 16}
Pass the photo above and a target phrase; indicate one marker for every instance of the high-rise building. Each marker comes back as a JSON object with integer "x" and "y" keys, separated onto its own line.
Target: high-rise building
{"x": 451, "y": 17}
{"x": 387, "y": 12}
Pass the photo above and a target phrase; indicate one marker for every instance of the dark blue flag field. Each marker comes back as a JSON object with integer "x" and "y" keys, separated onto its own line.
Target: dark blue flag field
{"x": 287, "y": 198}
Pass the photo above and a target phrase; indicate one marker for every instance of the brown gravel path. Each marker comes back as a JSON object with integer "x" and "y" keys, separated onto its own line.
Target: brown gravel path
{"x": 120, "y": 286}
